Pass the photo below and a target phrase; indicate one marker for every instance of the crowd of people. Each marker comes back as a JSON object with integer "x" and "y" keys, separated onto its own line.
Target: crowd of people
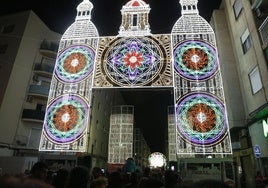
{"x": 81, "y": 177}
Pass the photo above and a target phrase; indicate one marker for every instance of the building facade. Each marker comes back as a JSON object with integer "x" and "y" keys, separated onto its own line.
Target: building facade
{"x": 28, "y": 52}
{"x": 241, "y": 30}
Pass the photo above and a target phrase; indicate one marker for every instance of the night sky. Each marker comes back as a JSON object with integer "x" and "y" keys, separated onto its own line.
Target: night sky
{"x": 106, "y": 15}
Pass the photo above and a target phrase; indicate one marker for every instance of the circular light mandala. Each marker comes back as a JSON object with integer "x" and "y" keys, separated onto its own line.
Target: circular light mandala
{"x": 201, "y": 119}
{"x": 135, "y": 61}
{"x": 195, "y": 60}
{"x": 66, "y": 119}
{"x": 75, "y": 63}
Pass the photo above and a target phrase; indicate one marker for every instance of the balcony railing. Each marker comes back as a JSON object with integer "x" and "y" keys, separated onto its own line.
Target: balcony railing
{"x": 33, "y": 115}
{"x": 261, "y": 5}
{"x": 39, "y": 90}
{"x": 43, "y": 69}
{"x": 264, "y": 32}
{"x": 49, "y": 49}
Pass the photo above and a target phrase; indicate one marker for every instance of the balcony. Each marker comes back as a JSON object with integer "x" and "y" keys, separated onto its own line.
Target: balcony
{"x": 43, "y": 70}
{"x": 30, "y": 115}
{"x": 49, "y": 49}
{"x": 261, "y": 7}
{"x": 263, "y": 30}
{"x": 40, "y": 91}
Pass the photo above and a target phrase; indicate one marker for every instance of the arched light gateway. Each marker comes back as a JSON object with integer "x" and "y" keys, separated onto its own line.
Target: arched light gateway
{"x": 184, "y": 60}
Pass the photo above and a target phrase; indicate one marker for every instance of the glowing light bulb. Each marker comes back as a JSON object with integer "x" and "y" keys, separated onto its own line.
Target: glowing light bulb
{"x": 201, "y": 117}
{"x": 74, "y": 62}
{"x": 195, "y": 58}
{"x": 65, "y": 117}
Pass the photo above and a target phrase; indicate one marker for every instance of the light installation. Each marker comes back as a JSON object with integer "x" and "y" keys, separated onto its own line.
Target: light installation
{"x": 75, "y": 63}
{"x": 134, "y": 61}
{"x": 201, "y": 119}
{"x": 195, "y": 60}
{"x": 185, "y": 60}
{"x": 66, "y": 119}
{"x": 157, "y": 160}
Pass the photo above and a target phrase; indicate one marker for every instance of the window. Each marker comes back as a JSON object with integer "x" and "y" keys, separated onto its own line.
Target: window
{"x": 237, "y": 7}
{"x": 34, "y": 138}
{"x": 246, "y": 41}
{"x": 8, "y": 29}
{"x": 135, "y": 20}
{"x": 3, "y": 48}
{"x": 255, "y": 80}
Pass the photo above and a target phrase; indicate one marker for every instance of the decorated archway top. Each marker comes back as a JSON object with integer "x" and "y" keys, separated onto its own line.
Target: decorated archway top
{"x": 136, "y": 4}
{"x": 189, "y": 2}
{"x": 84, "y": 10}
{"x": 189, "y": 7}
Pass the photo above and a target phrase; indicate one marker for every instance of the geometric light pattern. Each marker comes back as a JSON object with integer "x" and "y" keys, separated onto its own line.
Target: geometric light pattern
{"x": 201, "y": 119}
{"x": 75, "y": 63}
{"x": 133, "y": 61}
{"x": 66, "y": 119}
{"x": 195, "y": 60}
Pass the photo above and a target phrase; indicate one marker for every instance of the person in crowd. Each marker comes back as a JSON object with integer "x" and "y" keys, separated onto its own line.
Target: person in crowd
{"x": 39, "y": 171}
{"x": 129, "y": 166}
{"x": 259, "y": 180}
{"x": 209, "y": 183}
{"x": 146, "y": 172}
{"x": 60, "y": 179}
{"x": 134, "y": 180}
{"x": 18, "y": 182}
{"x": 97, "y": 173}
{"x": 78, "y": 178}
{"x": 115, "y": 180}
{"x": 150, "y": 183}
{"x": 99, "y": 183}
{"x": 171, "y": 179}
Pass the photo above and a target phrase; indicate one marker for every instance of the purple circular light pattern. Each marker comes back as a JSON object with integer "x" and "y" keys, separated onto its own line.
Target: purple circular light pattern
{"x": 212, "y": 135}
{"x": 195, "y": 60}
{"x": 133, "y": 61}
{"x": 52, "y": 129}
{"x": 75, "y": 63}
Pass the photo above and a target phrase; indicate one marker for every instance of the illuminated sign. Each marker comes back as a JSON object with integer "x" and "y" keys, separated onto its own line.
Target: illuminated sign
{"x": 265, "y": 127}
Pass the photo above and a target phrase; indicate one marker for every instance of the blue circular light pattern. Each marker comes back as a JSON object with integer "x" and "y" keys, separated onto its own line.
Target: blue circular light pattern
{"x": 195, "y": 60}
{"x": 75, "y": 63}
{"x": 135, "y": 61}
{"x": 201, "y": 119}
{"x": 66, "y": 119}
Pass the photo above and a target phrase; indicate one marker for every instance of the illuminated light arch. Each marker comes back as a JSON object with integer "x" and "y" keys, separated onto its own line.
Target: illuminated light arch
{"x": 75, "y": 63}
{"x": 157, "y": 159}
{"x": 133, "y": 61}
{"x": 195, "y": 60}
{"x": 201, "y": 119}
{"x": 66, "y": 119}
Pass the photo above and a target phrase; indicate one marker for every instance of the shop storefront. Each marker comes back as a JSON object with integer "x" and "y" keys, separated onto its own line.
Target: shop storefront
{"x": 258, "y": 132}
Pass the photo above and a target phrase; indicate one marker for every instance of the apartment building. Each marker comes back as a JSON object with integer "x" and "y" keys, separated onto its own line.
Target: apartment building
{"x": 28, "y": 50}
{"x": 241, "y": 31}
